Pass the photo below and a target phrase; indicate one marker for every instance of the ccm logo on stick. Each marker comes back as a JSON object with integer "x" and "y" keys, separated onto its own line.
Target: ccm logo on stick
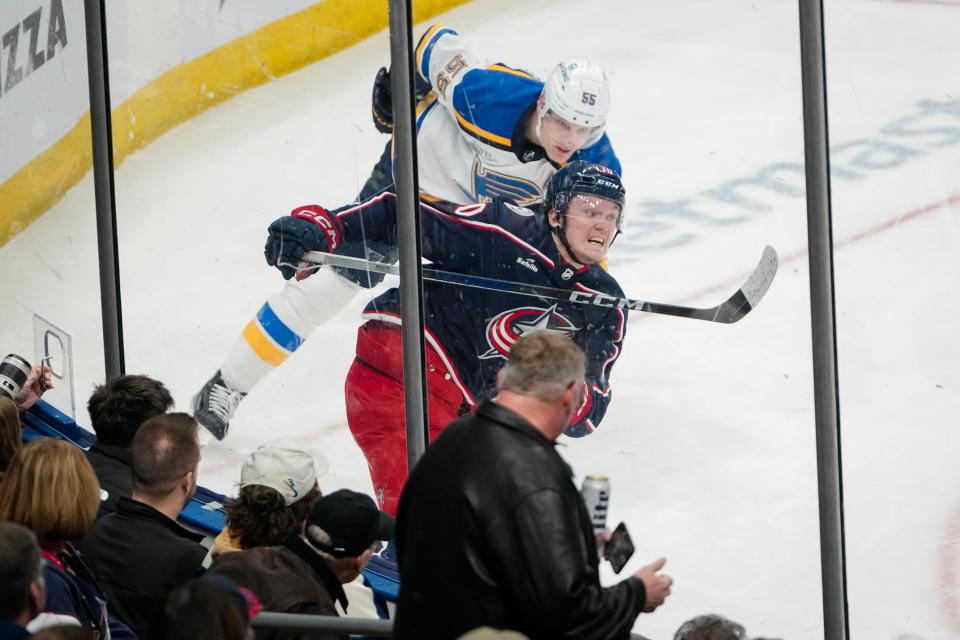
{"x": 602, "y": 300}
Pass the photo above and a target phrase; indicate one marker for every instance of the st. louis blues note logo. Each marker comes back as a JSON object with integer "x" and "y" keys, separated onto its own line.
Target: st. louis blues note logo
{"x": 489, "y": 184}
{"x": 509, "y": 326}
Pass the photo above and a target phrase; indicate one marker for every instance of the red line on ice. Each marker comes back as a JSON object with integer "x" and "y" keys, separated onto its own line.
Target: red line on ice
{"x": 949, "y": 564}
{"x": 727, "y": 284}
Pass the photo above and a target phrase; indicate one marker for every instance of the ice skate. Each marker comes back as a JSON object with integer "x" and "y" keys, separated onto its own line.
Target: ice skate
{"x": 215, "y": 404}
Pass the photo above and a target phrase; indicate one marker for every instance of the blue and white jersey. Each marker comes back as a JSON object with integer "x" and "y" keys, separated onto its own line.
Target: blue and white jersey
{"x": 471, "y": 139}
{"x": 473, "y": 329}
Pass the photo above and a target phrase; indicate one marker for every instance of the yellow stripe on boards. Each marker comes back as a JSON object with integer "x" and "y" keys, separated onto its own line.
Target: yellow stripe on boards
{"x": 191, "y": 88}
{"x": 261, "y": 345}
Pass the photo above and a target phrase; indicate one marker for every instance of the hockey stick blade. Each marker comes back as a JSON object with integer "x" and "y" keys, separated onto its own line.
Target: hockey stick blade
{"x": 743, "y": 300}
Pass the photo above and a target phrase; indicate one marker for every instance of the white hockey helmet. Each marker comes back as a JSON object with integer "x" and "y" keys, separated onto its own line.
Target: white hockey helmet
{"x": 577, "y": 90}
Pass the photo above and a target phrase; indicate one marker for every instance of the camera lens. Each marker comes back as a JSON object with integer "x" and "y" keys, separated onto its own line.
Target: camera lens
{"x": 14, "y": 371}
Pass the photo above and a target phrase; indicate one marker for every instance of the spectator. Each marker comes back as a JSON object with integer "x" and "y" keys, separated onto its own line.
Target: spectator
{"x": 62, "y": 632}
{"x": 52, "y": 489}
{"x": 38, "y": 381}
{"x": 491, "y": 529}
{"x": 306, "y": 573}
{"x": 711, "y": 626}
{"x": 208, "y": 608}
{"x": 117, "y": 409}
{"x": 139, "y": 552}
{"x": 278, "y": 485}
{"x": 22, "y": 595}
{"x": 489, "y": 633}
{"x": 11, "y": 435}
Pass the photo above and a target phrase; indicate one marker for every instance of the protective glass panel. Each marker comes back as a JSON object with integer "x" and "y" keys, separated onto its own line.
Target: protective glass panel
{"x": 227, "y": 117}
{"x": 50, "y": 295}
{"x": 707, "y": 438}
{"x": 895, "y": 138}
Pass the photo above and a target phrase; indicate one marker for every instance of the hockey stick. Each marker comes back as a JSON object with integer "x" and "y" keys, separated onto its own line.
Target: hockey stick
{"x": 730, "y": 310}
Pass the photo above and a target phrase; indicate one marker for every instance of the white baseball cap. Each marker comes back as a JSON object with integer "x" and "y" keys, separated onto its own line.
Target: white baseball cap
{"x": 285, "y": 467}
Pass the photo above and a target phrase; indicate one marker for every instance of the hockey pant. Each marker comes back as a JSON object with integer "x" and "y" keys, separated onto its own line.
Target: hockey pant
{"x": 282, "y": 324}
{"x": 375, "y": 406}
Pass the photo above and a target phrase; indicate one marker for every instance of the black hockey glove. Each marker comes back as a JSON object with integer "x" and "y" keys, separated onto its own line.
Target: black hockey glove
{"x": 289, "y": 238}
{"x": 383, "y": 98}
{"x": 382, "y": 102}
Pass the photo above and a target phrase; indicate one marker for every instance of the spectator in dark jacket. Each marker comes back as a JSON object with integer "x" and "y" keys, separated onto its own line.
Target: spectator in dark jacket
{"x": 491, "y": 530}
{"x": 51, "y": 488}
{"x": 22, "y": 596}
{"x": 139, "y": 552}
{"x": 117, "y": 409}
{"x": 307, "y": 573}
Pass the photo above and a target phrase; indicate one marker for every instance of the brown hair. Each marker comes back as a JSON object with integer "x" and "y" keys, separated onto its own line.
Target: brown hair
{"x": 20, "y": 566}
{"x": 52, "y": 489}
{"x": 259, "y": 517}
{"x": 165, "y": 449}
{"x": 202, "y": 609}
{"x": 11, "y": 435}
{"x": 119, "y": 407}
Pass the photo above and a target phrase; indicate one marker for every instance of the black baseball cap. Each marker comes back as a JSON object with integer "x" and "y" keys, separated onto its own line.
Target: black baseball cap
{"x": 352, "y": 520}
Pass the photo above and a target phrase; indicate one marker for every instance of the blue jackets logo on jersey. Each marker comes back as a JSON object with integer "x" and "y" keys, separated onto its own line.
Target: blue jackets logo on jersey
{"x": 506, "y": 328}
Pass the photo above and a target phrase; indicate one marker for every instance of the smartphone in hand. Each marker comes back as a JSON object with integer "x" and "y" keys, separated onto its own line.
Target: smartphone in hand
{"x": 618, "y": 548}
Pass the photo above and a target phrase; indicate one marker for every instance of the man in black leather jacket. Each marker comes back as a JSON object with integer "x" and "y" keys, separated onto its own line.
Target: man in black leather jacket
{"x": 491, "y": 529}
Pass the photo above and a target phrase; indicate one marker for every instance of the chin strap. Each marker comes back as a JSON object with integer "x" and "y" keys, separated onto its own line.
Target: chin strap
{"x": 560, "y": 233}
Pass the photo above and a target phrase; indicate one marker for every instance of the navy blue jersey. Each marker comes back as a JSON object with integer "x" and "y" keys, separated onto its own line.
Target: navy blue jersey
{"x": 473, "y": 329}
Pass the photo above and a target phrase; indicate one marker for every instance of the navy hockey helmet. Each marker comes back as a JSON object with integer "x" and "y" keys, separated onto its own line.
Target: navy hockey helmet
{"x": 582, "y": 178}
{"x": 587, "y": 178}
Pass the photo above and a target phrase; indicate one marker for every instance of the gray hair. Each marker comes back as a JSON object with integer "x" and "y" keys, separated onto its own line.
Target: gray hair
{"x": 710, "y": 627}
{"x": 20, "y": 566}
{"x": 543, "y": 364}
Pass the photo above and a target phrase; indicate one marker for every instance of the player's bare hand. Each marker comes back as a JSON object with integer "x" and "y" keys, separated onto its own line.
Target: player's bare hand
{"x": 657, "y": 584}
{"x": 37, "y": 382}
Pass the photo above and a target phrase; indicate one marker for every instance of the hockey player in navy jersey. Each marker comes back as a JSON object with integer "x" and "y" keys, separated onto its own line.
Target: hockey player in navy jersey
{"x": 469, "y": 331}
{"x": 483, "y": 131}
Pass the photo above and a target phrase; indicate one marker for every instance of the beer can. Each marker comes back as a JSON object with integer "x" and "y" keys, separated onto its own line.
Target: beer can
{"x": 596, "y": 495}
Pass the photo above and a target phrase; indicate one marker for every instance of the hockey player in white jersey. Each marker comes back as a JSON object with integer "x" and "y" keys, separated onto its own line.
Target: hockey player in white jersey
{"x": 483, "y": 131}
{"x": 488, "y": 131}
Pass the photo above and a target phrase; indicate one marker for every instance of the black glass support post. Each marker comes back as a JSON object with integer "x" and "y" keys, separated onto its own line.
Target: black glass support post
{"x": 823, "y": 322}
{"x": 408, "y": 223}
{"x": 331, "y": 625}
{"x": 102, "y": 133}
